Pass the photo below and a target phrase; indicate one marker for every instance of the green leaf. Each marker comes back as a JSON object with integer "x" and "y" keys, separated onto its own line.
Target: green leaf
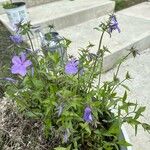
{"x": 86, "y": 127}
{"x": 124, "y": 143}
{"x": 115, "y": 128}
{"x": 139, "y": 112}
{"x": 126, "y": 87}
{"x": 146, "y": 126}
{"x": 34, "y": 114}
{"x": 61, "y": 148}
{"x": 124, "y": 96}
{"x": 128, "y": 76}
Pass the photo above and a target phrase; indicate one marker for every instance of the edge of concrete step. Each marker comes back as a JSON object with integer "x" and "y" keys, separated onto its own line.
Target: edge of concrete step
{"x": 67, "y": 19}
{"x": 79, "y": 16}
{"x": 138, "y": 11}
{"x": 140, "y": 44}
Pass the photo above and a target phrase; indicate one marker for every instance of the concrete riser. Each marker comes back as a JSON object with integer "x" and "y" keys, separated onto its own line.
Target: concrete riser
{"x": 79, "y": 17}
{"x": 111, "y": 61}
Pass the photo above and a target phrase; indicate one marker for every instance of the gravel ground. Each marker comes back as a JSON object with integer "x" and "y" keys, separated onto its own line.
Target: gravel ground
{"x": 139, "y": 69}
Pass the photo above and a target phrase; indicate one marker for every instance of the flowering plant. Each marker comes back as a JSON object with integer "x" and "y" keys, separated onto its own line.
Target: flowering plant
{"x": 76, "y": 110}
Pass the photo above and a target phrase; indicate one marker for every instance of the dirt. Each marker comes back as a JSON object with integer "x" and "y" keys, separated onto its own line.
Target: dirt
{"x": 4, "y": 42}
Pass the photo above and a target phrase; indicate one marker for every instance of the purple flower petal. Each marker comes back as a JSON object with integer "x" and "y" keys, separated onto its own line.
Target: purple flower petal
{"x": 23, "y": 57}
{"x": 15, "y": 69}
{"x": 87, "y": 115}
{"x": 71, "y": 67}
{"x": 16, "y": 60}
{"x": 16, "y": 38}
{"x": 113, "y": 25}
{"x": 20, "y": 65}
{"x": 27, "y": 63}
{"x": 22, "y": 71}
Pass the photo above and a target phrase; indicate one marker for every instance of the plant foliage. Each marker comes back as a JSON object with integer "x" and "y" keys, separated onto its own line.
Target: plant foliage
{"x": 69, "y": 97}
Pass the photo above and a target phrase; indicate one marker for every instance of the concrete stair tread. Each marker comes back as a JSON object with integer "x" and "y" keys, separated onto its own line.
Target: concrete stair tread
{"x": 141, "y": 10}
{"x": 62, "y": 8}
{"x": 135, "y": 31}
{"x": 139, "y": 85}
{"x": 85, "y": 32}
{"x": 66, "y": 13}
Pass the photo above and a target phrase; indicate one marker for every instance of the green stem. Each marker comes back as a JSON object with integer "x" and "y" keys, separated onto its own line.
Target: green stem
{"x": 114, "y": 88}
{"x": 30, "y": 41}
{"x": 100, "y": 75}
{"x": 118, "y": 68}
{"x": 95, "y": 62}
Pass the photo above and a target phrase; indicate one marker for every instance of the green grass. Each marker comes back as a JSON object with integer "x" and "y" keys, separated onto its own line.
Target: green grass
{"x": 121, "y": 4}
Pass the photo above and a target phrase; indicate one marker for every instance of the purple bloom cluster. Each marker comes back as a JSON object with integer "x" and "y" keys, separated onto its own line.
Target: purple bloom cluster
{"x": 71, "y": 67}
{"x": 113, "y": 24}
{"x": 17, "y": 39}
{"x": 88, "y": 115}
{"x": 20, "y": 65}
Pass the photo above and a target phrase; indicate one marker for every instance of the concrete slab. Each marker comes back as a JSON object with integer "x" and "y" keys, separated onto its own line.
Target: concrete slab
{"x": 141, "y": 11}
{"x": 65, "y": 13}
{"x": 139, "y": 69}
{"x": 134, "y": 32}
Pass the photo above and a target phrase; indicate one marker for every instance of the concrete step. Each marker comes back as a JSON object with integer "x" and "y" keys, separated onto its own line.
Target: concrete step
{"x": 140, "y": 11}
{"x": 135, "y": 31}
{"x": 29, "y": 3}
{"x": 139, "y": 92}
{"x": 65, "y": 13}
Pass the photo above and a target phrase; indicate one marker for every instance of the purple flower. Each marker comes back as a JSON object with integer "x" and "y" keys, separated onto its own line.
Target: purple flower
{"x": 9, "y": 79}
{"x": 87, "y": 115}
{"x": 71, "y": 67}
{"x": 113, "y": 24}
{"x": 16, "y": 38}
{"x": 20, "y": 64}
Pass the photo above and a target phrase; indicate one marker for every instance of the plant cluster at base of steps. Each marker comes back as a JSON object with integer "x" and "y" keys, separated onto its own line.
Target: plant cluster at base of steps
{"x": 67, "y": 98}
